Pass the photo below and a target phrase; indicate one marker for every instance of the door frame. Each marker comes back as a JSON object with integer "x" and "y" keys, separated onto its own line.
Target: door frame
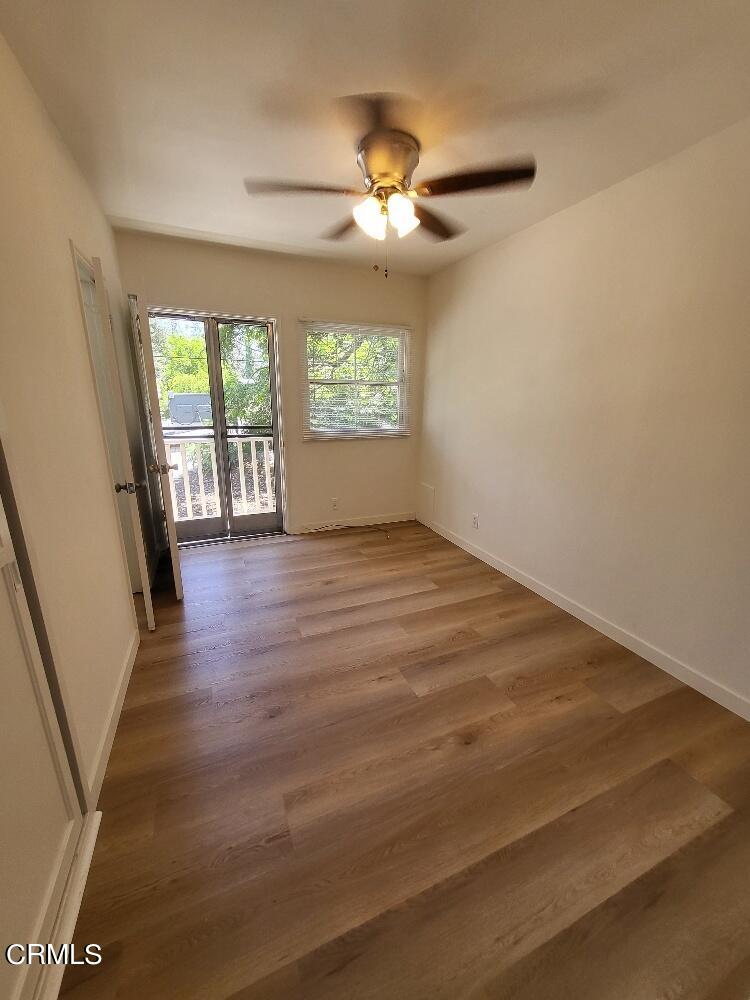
{"x": 212, "y": 319}
{"x": 147, "y": 433}
{"x": 94, "y": 268}
{"x": 267, "y": 522}
{"x": 65, "y": 764}
{"x": 147, "y": 357}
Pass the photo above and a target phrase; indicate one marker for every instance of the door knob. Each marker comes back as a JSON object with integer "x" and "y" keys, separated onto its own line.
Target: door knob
{"x": 128, "y": 487}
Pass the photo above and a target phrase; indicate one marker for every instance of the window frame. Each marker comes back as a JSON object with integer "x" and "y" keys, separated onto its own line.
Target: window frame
{"x": 402, "y": 384}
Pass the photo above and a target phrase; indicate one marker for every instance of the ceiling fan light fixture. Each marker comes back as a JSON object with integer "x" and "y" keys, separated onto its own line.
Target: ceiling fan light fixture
{"x": 388, "y": 156}
{"x": 401, "y": 214}
{"x": 370, "y": 218}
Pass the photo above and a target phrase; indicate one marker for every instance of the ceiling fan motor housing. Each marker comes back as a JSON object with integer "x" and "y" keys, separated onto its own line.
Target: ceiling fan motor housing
{"x": 387, "y": 159}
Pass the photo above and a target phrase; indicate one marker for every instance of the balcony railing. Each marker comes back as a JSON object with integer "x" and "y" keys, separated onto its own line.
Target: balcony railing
{"x": 194, "y": 483}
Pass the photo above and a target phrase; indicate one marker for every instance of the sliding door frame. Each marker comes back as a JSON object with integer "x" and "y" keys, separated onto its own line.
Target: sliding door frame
{"x": 204, "y": 528}
{"x": 264, "y": 523}
{"x": 268, "y": 521}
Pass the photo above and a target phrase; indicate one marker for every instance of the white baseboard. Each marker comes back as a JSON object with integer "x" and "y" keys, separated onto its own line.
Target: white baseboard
{"x": 48, "y": 985}
{"x": 352, "y": 522}
{"x": 718, "y": 692}
{"x": 105, "y": 745}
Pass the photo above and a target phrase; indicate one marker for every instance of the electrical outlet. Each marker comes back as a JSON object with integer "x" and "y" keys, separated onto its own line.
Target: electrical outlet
{"x": 475, "y": 520}
{"x": 334, "y": 503}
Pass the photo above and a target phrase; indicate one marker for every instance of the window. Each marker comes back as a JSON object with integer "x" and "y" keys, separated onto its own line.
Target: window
{"x": 356, "y": 380}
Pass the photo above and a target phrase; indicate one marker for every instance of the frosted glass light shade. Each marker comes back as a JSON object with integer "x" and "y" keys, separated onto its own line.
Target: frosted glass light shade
{"x": 401, "y": 214}
{"x": 370, "y": 218}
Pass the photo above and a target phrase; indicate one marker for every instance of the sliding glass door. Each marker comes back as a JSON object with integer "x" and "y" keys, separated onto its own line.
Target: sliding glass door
{"x": 248, "y": 392}
{"x": 215, "y": 380}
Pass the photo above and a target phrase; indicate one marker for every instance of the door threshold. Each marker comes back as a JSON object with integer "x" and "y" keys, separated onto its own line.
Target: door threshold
{"x": 195, "y": 543}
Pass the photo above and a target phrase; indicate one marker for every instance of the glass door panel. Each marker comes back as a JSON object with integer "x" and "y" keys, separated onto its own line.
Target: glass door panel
{"x": 187, "y": 407}
{"x": 250, "y": 426}
{"x": 252, "y": 471}
{"x": 195, "y": 479}
{"x": 246, "y": 374}
{"x": 215, "y": 384}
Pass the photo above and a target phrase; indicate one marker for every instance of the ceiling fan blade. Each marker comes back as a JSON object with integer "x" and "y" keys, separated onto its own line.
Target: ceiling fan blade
{"x": 253, "y": 186}
{"x": 341, "y": 230}
{"x": 473, "y": 180}
{"x": 434, "y": 224}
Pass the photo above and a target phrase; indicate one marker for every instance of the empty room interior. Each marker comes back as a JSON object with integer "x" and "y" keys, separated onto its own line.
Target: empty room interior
{"x": 374, "y": 500}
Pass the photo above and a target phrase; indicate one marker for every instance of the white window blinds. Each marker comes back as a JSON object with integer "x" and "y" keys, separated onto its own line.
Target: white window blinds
{"x": 355, "y": 380}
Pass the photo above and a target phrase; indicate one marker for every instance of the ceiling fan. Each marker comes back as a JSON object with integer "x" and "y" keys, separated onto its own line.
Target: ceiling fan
{"x": 387, "y": 157}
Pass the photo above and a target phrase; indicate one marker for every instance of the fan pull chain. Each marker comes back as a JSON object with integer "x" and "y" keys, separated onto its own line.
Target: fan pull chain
{"x": 375, "y": 267}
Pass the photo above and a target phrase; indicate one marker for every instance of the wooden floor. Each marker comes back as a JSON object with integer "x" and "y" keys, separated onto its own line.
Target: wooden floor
{"x": 363, "y": 764}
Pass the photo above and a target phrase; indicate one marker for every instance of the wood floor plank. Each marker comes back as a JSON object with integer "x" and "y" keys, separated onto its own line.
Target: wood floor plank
{"x": 284, "y": 707}
{"x": 483, "y": 745}
{"x": 525, "y": 648}
{"x": 679, "y": 931}
{"x": 489, "y": 915}
{"x": 434, "y": 598}
{"x": 520, "y": 624}
{"x": 259, "y": 582}
{"x": 632, "y": 683}
{"x": 281, "y": 985}
{"x": 127, "y": 827}
{"x": 564, "y": 770}
{"x": 178, "y": 887}
{"x": 191, "y": 856}
{"x": 256, "y": 600}
{"x": 735, "y": 985}
{"x": 374, "y": 867}
{"x": 362, "y": 763}
{"x": 384, "y": 645}
{"x": 314, "y": 754}
{"x": 547, "y": 672}
{"x": 468, "y": 611}
{"x": 291, "y": 602}
{"x": 720, "y": 760}
{"x": 294, "y": 655}
{"x": 294, "y": 568}
{"x": 241, "y": 635}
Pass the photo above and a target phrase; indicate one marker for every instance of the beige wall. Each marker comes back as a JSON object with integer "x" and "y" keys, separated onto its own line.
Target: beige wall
{"x": 587, "y": 393}
{"x": 372, "y": 479}
{"x": 52, "y": 430}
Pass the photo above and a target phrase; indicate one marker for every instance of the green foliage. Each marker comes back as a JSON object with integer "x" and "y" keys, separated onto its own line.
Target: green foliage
{"x": 181, "y": 366}
{"x": 342, "y": 368}
{"x": 354, "y": 377}
{"x": 246, "y": 373}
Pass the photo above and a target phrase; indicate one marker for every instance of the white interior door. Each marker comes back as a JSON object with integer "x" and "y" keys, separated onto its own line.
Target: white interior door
{"x": 156, "y": 500}
{"x": 106, "y": 375}
{"x": 130, "y": 486}
{"x": 41, "y": 820}
{"x": 145, "y": 361}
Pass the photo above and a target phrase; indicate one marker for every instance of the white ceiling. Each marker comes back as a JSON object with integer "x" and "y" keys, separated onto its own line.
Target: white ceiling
{"x": 168, "y": 104}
